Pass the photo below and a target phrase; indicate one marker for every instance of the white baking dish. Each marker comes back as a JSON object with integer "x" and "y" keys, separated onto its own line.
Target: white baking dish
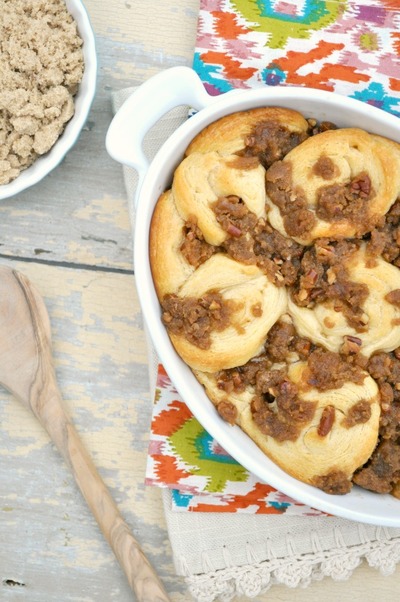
{"x": 181, "y": 86}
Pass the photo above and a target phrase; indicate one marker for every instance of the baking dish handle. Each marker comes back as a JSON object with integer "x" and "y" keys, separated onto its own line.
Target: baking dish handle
{"x": 171, "y": 88}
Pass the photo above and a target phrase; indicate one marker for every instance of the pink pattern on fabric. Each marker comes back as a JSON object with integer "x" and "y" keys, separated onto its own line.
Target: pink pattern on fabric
{"x": 200, "y": 473}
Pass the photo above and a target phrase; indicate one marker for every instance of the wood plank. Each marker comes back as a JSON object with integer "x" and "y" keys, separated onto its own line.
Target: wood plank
{"x": 74, "y": 215}
{"x": 51, "y": 542}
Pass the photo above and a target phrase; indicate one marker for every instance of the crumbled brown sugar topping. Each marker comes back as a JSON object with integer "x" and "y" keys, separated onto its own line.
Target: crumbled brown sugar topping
{"x": 313, "y": 273}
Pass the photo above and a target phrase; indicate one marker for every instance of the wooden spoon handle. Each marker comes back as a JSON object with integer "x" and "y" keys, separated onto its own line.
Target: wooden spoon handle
{"x": 141, "y": 575}
{"x": 27, "y": 357}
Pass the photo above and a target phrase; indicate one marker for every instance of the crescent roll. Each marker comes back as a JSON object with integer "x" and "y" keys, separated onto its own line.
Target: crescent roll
{"x": 201, "y": 179}
{"x": 275, "y": 257}
{"x": 334, "y": 437}
{"x": 253, "y": 305}
{"x": 271, "y": 131}
{"x": 326, "y": 326}
{"x": 336, "y": 184}
{"x": 169, "y": 267}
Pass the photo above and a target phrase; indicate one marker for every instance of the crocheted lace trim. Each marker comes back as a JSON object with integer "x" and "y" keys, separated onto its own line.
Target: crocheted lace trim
{"x": 295, "y": 571}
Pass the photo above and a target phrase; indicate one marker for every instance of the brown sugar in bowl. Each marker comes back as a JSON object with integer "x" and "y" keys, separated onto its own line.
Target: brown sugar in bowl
{"x": 52, "y": 115}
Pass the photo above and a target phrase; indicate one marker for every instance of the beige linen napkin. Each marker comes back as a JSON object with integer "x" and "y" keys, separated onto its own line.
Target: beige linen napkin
{"x": 223, "y": 556}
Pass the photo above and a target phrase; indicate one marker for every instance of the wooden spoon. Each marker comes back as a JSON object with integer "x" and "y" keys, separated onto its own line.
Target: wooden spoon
{"x": 27, "y": 371}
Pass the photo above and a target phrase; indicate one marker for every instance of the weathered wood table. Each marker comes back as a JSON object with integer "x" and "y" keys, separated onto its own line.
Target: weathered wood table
{"x": 71, "y": 236}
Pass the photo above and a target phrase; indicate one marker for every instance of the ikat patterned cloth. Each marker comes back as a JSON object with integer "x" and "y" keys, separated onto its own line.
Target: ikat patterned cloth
{"x": 351, "y": 48}
{"x": 348, "y": 47}
{"x": 202, "y": 476}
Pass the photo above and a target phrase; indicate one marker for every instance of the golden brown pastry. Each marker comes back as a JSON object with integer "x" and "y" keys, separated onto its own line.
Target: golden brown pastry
{"x": 335, "y": 184}
{"x": 396, "y": 490}
{"x": 242, "y": 305}
{"x": 169, "y": 266}
{"x": 201, "y": 179}
{"x": 269, "y": 131}
{"x": 374, "y": 325}
{"x": 275, "y": 255}
{"x": 326, "y": 438}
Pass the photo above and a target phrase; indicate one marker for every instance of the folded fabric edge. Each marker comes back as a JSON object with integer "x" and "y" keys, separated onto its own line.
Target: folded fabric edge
{"x": 299, "y": 571}
{"x": 278, "y": 547}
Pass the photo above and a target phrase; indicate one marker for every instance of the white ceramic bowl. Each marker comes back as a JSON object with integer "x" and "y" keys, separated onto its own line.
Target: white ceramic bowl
{"x": 83, "y": 101}
{"x": 179, "y": 86}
